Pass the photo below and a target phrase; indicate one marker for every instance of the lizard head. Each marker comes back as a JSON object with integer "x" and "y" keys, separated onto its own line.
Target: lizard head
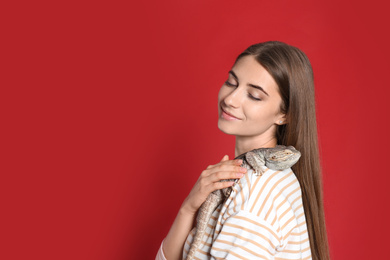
{"x": 281, "y": 157}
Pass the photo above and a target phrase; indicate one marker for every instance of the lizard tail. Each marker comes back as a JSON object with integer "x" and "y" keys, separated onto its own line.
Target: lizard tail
{"x": 204, "y": 214}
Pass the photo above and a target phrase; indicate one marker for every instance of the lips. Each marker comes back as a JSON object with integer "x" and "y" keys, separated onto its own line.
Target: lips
{"x": 228, "y": 116}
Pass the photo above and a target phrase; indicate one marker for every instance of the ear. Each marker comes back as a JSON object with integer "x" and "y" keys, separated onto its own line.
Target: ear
{"x": 281, "y": 119}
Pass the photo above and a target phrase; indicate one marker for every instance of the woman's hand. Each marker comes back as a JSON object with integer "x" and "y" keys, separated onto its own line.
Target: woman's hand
{"x": 209, "y": 181}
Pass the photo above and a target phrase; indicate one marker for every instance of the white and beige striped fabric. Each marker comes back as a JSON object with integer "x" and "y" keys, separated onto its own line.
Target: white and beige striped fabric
{"x": 262, "y": 219}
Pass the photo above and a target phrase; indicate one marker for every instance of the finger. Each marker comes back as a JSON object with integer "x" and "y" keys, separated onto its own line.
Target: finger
{"x": 233, "y": 162}
{"x": 224, "y": 175}
{"x": 222, "y": 185}
{"x": 227, "y": 167}
{"x": 225, "y": 158}
{"x": 225, "y": 162}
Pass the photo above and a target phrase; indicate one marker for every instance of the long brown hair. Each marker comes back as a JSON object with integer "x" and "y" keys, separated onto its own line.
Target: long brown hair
{"x": 293, "y": 73}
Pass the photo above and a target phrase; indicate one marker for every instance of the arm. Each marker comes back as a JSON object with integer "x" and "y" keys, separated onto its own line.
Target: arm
{"x": 208, "y": 182}
{"x": 174, "y": 242}
{"x": 245, "y": 235}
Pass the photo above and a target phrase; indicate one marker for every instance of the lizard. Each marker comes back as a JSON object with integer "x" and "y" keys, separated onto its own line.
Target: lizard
{"x": 278, "y": 158}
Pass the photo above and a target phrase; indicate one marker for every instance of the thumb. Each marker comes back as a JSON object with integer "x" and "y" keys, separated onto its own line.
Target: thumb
{"x": 225, "y": 158}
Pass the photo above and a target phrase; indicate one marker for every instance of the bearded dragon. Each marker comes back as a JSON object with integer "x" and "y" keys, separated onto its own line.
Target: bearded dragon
{"x": 277, "y": 158}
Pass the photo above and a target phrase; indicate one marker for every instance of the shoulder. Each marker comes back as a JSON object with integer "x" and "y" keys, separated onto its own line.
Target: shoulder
{"x": 274, "y": 196}
{"x": 255, "y": 194}
{"x": 277, "y": 184}
{"x": 272, "y": 203}
{"x": 272, "y": 184}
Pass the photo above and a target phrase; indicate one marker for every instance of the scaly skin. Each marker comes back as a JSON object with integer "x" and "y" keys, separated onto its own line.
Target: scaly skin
{"x": 277, "y": 158}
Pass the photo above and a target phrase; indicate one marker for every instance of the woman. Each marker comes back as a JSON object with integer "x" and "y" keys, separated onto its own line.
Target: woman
{"x": 268, "y": 99}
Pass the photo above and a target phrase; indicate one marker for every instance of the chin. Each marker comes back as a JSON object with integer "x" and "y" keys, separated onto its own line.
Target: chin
{"x": 225, "y": 129}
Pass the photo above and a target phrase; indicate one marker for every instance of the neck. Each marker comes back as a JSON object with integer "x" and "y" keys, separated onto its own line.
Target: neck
{"x": 245, "y": 144}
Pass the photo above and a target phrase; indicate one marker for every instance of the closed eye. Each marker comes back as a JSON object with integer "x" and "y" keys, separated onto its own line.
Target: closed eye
{"x": 254, "y": 98}
{"x": 230, "y": 84}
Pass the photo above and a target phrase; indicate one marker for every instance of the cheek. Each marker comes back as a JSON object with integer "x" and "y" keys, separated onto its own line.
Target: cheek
{"x": 222, "y": 93}
{"x": 260, "y": 114}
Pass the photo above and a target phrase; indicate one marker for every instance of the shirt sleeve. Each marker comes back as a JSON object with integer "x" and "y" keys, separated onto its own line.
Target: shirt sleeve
{"x": 245, "y": 236}
{"x": 160, "y": 254}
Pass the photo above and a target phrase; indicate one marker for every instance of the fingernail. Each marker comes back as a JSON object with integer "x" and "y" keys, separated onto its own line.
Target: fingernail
{"x": 242, "y": 169}
{"x": 239, "y": 161}
{"x": 239, "y": 175}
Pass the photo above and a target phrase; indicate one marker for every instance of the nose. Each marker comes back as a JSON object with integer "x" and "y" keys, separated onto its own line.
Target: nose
{"x": 233, "y": 99}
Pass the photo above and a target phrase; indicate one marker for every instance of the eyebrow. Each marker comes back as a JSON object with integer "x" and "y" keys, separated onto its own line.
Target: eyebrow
{"x": 250, "y": 85}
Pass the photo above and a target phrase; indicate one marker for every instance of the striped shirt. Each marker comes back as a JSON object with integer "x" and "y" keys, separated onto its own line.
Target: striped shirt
{"x": 263, "y": 218}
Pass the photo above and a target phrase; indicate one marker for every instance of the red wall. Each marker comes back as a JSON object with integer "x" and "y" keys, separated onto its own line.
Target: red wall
{"x": 109, "y": 115}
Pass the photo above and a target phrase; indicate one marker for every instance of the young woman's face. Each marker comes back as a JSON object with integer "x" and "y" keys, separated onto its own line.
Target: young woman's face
{"x": 249, "y": 101}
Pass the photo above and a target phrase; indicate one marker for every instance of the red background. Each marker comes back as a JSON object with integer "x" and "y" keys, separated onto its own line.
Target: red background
{"x": 109, "y": 114}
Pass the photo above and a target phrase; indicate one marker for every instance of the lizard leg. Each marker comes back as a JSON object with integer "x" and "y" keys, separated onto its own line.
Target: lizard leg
{"x": 256, "y": 161}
